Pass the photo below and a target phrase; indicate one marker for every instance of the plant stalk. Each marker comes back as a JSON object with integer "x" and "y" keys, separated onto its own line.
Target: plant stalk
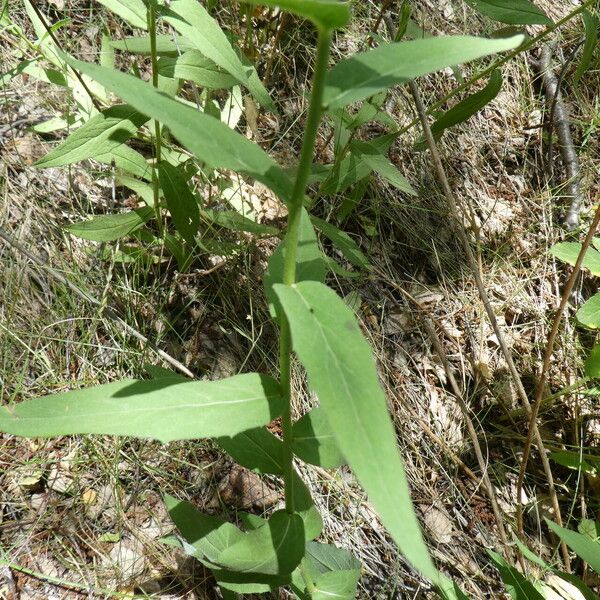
{"x": 157, "y": 134}
{"x": 291, "y": 250}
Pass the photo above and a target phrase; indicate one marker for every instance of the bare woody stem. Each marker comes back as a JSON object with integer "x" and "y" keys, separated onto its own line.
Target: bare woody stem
{"x": 315, "y": 111}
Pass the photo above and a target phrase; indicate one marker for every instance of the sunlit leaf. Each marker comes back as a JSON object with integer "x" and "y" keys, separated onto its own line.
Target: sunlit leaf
{"x": 132, "y": 11}
{"x": 589, "y": 314}
{"x": 107, "y": 228}
{"x": 193, "y": 66}
{"x": 569, "y": 252}
{"x": 341, "y": 370}
{"x": 274, "y": 549}
{"x": 586, "y": 548}
{"x": 100, "y": 135}
{"x": 367, "y": 73}
{"x": 165, "y": 409}
{"x": 206, "y": 137}
{"x": 329, "y": 14}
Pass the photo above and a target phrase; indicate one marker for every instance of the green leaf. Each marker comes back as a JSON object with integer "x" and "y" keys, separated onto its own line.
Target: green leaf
{"x": 194, "y": 66}
{"x": 100, "y": 135}
{"x": 592, "y": 363}
{"x": 165, "y": 409}
{"x": 128, "y": 160}
{"x": 257, "y": 449}
{"x": 274, "y": 549}
{"x": 305, "y": 507}
{"x": 132, "y": 11}
{"x": 181, "y": 202}
{"x": 466, "y": 108}
{"x": 248, "y": 583}
{"x": 517, "y": 586}
{"x": 207, "y": 536}
{"x": 206, "y": 137}
{"x": 589, "y": 314}
{"x": 310, "y": 263}
{"x": 369, "y": 72}
{"x": 341, "y": 370}
{"x": 165, "y": 45}
{"x": 314, "y": 441}
{"x": 328, "y": 14}
{"x": 569, "y": 252}
{"x": 192, "y": 20}
{"x": 107, "y": 228}
{"x": 381, "y": 165}
{"x": 343, "y": 242}
{"x": 237, "y": 222}
{"x": 336, "y": 584}
{"x": 324, "y": 558}
{"x": 141, "y": 188}
{"x": 586, "y": 548}
{"x": 513, "y": 12}
{"x": 591, "y": 24}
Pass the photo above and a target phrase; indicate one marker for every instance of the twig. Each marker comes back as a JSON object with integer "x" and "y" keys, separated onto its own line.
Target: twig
{"x": 437, "y": 344}
{"x": 109, "y": 312}
{"x": 559, "y": 119}
{"x": 539, "y": 392}
{"x": 474, "y": 267}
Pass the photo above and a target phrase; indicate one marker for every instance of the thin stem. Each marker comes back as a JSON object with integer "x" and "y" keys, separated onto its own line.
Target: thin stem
{"x": 157, "y": 134}
{"x": 291, "y": 248}
{"x": 539, "y": 391}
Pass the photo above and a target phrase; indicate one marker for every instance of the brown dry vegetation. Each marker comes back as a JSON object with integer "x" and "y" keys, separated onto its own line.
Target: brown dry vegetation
{"x": 83, "y": 516}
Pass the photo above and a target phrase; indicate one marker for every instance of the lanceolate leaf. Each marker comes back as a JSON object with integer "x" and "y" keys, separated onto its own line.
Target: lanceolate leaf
{"x": 237, "y": 222}
{"x": 132, "y": 11}
{"x": 181, "y": 202}
{"x": 126, "y": 159}
{"x": 341, "y": 370}
{"x": 369, "y": 72}
{"x": 206, "y": 137}
{"x": 100, "y": 135}
{"x": 586, "y": 548}
{"x": 192, "y": 20}
{"x": 107, "y": 228}
{"x": 513, "y": 12}
{"x": 314, "y": 441}
{"x": 468, "y": 107}
{"x": 518, "y": 587}
{"x": 343, "y": 242}
{"x": 193, "y": 66}
{"x": 329, "y": 14}
{"x": 276, "y": 548}
{"x": 165, "y": 45}
{"x": 381, "y": 165}
{"x": 165, "y": 409}
{"x": 591, "y": 23}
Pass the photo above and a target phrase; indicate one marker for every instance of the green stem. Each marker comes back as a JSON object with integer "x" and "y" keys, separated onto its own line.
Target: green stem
{"x": 291, "y": 249}
{"x": 157, "y": 134}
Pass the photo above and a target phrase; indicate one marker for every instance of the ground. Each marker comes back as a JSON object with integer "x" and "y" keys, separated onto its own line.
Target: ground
{"x": 84, "y": 516}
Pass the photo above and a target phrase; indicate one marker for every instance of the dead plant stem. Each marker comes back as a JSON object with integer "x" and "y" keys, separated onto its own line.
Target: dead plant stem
{"x": 474, "y": 267}
{"x": 539, "y": 391}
